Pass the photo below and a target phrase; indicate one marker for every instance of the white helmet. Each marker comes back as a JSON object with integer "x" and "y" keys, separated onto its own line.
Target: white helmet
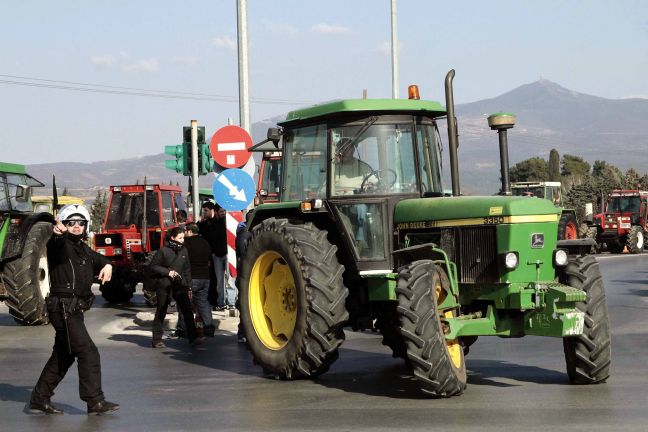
{"x": 71, "y": 210}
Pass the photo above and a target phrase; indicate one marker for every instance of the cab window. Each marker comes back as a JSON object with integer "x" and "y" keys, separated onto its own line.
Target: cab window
{"x": 305, "y": 163}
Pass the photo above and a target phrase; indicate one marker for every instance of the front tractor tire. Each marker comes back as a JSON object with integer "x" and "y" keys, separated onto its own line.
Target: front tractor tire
{"x": 27, "y": 278}
{"x": 292, "y": 299}
{"x": 635, "y": 240}
{"x": 588, "y": 356}
{"x": 438, "y": 363}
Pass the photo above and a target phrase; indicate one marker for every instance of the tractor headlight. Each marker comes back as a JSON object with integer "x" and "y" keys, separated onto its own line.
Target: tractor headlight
{"x": 101, "y": 252}
{"x": 560, "y": 257}
{"x": 117, "y": 251}
{"x": 511, "y": 260}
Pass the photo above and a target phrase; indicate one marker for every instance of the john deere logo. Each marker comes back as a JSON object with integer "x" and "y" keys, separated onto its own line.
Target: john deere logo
{"x": 537, "y": 241}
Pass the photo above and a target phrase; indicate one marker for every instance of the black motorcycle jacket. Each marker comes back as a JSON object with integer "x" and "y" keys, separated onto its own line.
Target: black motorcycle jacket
{"x": 72, "y": 266}
{"x": 166, "y": 259}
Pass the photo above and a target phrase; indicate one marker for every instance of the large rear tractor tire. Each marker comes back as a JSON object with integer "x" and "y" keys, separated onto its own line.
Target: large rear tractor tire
{"x": 119, "y": 290}
{"x": 438, "y": 363}
{"x": 292, "y": 299}
{"x": 27, "y": 278}
{"x": 567, "y": 227}
{"x": 588, "y": 356}
{"x": 635, "y": 240}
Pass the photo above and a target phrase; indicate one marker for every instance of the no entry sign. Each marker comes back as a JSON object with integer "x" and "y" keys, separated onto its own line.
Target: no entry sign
{"x": 229, "y": 146}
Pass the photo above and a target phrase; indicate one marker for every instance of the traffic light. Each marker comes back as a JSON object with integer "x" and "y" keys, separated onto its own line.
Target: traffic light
{"x": 182, "y": 162}
{"x": 186, "y": 134}
{"x": 205, "y": 160}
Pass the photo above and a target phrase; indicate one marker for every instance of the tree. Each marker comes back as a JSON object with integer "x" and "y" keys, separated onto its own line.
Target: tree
{"x": 607, "y": 174}
{"x": 575, "y": 171}
{"x": 580, "y": 195}
{"x": 631, "y": 179}
{"x": 554, "y": 165}
{"x": 65, "y": 191}
{"x": 98, "y": 210}
{"x": 533, "y": 169}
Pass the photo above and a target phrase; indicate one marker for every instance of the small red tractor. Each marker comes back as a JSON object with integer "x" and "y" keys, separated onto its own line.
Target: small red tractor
{"x": 623, "y": 222}
{"x": 133, "y": 229}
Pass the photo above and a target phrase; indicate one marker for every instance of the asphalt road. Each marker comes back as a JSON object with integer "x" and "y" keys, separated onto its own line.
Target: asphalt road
{"x": 513, "y": 383}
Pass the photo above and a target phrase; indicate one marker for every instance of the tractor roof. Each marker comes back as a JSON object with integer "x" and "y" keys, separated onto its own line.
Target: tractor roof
{"x": 140, "y": 188}
{"x": 382, "y": 106}
{"x": 12, "y": 168}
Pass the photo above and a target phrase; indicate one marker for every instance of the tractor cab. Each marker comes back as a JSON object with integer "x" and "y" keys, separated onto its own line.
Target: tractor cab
{"x": 136, "y": 222}
{"x": 359, "y": 163}
{"x": 546, "y": 190}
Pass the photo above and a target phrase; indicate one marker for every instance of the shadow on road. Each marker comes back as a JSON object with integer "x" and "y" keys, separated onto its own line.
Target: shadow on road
{"x": 11, "y": 393}
{"x": 368, "y": 374}
{"x": 484, "y": 372}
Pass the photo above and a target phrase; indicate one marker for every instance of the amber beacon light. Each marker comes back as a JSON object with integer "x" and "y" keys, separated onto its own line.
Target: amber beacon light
{"x": 412, "y": 92}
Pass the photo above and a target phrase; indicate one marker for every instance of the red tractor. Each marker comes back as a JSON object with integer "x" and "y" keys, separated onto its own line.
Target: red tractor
{"x": 623, "y": 223}
{"x": 133, "y": 229}
{"x": 269, "y": 178}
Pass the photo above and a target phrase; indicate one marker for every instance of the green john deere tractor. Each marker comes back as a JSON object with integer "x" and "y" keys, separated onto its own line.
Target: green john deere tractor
{"x": 24, "y": 275}
{"x": 364, "y": 236}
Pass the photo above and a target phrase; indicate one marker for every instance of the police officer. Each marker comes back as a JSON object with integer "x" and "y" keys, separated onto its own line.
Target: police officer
{"x": 72, "y": 265}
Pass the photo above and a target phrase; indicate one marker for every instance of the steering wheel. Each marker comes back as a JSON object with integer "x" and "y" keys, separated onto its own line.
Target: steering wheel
{"x": 381, "y": 184}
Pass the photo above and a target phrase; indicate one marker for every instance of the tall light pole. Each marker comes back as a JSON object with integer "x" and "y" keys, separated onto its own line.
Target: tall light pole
{"x": 244, "y": 95}
{"x": 394, "y": 51}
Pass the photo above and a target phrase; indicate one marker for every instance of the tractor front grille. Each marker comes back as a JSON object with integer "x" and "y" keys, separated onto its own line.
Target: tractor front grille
{"x": 476, "y": 254}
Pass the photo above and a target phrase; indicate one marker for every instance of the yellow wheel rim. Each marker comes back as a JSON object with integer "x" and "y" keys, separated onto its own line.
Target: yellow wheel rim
{"x": 272, "y": 300}
{"x": 453, "y": 346}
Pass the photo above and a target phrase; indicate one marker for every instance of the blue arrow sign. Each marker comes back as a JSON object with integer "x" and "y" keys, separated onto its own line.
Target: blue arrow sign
{"x": 234, "y": 189}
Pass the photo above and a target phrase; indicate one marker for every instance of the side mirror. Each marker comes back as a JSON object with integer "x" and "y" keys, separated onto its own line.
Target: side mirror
{"x": 23, "y": 193}
{"x": 274, "y": 135}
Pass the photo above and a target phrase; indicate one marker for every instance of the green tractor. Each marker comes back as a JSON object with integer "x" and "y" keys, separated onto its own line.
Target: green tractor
{"x": 24, "y": 275}
{"x": 364, "y": 236}
{"x": 568, "y": 228}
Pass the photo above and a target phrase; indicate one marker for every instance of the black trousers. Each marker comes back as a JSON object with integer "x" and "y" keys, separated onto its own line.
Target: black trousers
{"x": 83, "y": 350}
{"x": 164, "y": 290}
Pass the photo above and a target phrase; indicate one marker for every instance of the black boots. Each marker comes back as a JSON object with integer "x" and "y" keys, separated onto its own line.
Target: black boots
{"x": 103, "y": 407}
{"x": 43, "y": 408}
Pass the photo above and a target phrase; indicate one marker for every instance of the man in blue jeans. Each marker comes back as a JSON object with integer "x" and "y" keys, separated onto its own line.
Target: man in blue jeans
{"x": 199, "y": 260}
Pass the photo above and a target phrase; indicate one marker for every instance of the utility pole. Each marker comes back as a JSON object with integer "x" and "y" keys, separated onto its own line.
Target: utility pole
{"x": 194, "y": 168}
{"x": 394, "y": 51}
{"x": 244, "y": 96}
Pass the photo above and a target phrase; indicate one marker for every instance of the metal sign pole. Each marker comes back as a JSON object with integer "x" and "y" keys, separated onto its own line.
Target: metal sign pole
{"x": 194, "y": 169}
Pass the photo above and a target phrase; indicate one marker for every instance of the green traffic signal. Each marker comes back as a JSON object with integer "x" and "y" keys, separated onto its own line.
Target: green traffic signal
{"x": 182, "y": 154}
{"x": 182, "y": 162}
{"x": 186, "y": 134}
{"x": 205, "y": 160}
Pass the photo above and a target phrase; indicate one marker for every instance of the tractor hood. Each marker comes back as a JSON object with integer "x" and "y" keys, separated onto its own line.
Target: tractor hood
{"x": 475, "y": 210}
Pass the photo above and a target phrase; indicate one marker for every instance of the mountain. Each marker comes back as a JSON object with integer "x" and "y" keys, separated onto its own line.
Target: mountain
{"x": 548, "y": 116}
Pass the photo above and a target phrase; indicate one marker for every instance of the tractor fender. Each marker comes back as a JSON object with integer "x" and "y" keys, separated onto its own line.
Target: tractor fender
{"x": 577, "y": 246}
{"x": 17, "y": 234}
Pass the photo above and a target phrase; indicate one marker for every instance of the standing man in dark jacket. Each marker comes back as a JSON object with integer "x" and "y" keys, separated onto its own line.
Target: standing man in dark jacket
{"x": 72, "y": 265}
{"x": 172, "y": 275}
{"x": 213, "y": 229}
{"x": 200, "y": 262}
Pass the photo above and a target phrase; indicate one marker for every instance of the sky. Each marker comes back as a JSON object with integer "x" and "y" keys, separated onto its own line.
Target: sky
{"x": 91, "y": 80}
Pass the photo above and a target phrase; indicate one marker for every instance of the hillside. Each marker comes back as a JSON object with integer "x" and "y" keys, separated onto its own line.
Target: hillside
{"x": 548, "y": 116}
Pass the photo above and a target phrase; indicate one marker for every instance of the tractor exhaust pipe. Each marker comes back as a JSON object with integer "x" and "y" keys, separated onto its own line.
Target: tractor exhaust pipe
{"x": 501, "y": 122}
{"x": 453, "y": 136}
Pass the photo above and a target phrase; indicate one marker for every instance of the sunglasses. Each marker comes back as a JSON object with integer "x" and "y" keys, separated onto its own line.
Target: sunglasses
{"x": 71, "y": 223}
